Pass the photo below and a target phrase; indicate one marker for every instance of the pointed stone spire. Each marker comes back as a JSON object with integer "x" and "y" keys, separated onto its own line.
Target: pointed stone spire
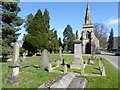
{"x": 88, "y": 17}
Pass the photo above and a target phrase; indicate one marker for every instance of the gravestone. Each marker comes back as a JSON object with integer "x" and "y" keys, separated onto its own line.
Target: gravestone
{"x": 65, "y": 69}
{"x": 44, "y": 59}
{"x": 50, "y": 67}
{"x": 92, "y": 60}
{"x": 82, "y": 70}
{"x": 60, "y": 59}
{"x": 103, "y": 71}
{"x": 24, "y": 57}
{"x": 13, "y": 73}
{"x": 15, "y": 54}
{"x": 58, "y": 63}
{"x": 78, "y": 60}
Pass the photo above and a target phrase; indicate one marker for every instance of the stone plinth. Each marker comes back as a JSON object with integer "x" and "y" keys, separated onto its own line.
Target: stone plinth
{"x": 78, "y": 61}
{"x": 13, "y": 75}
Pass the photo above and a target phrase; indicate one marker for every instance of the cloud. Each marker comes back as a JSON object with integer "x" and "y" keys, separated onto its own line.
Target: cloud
{"x": 61, "y": 30}
{"x": 112, "y": 20}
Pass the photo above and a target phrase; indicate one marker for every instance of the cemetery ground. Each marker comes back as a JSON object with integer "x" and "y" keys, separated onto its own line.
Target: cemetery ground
{"x": 33, "y": 77}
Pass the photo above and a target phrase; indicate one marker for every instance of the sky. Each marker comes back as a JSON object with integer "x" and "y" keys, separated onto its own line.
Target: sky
{"x": 72, "y": 13}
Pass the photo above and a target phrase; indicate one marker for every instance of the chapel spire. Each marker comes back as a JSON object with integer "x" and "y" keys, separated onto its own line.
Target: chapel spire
{"x": 88, "y": 17}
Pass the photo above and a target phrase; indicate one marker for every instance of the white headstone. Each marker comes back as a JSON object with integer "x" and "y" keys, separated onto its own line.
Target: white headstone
{"x": 103, "y": 71}
{"x": 50, "y": 67}
{"x": 82, "y": 70}
{"x": 15, "y": 53}
{"x": 44, "y": 59}
{"x": 24, "y": 57}
{"x": 15, "y": 72}
{"x": 65, "y": 69}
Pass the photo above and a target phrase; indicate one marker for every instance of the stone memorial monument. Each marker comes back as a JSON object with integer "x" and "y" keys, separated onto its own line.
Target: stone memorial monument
{"x": 44, "y": 59}
{"x": 60, "y": 59}
{"x": 13, "y": 73}
{"x": 78, "y": 60}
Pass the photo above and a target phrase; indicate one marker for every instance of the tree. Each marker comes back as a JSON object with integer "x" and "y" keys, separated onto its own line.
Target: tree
{"x": 39, "y": 35}
{"x": 29, "y": 18}
{"x": 60, "y": 43}
{"x": 68, "y": 38}
{"x": 110, "y": 41}
{"x": 101, "y": 34}
{"x": 10, "y": 26}
{"x": 53, "y": 41}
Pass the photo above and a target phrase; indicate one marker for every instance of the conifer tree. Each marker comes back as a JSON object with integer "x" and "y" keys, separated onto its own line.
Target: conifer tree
{"x": 68, "y": 38}
{"x": 111, "y": 41}
{"x": 10, "y": 25}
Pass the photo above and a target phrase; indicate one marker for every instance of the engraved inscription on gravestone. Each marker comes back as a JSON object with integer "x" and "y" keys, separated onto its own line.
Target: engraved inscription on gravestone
{"x": 77, "y": 51}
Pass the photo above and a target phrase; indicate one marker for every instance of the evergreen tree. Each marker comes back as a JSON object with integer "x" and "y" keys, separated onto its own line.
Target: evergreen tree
{"x": 53, "y": 41}
{"x": 60, "y": 43}
{"x": 46, "y": 19}
{"x": 10, "y": 24}
{"x": 29, "y": 18}
{"x": 68, "y": 38}
{"x": 38, "y": 32}
{"x": 111, "y": 41}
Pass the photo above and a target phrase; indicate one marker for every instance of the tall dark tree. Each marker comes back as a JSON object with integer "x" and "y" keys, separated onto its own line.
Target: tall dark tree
{"x": 10, "y": 26}
{"x": 46, "y": 19}
{"x": 60, "y": 43}
{"x": 68, "y": 38}
{"x": 53, "y": 41}
{"x": 38, "y": 32}
{"x": 29, "y": 18}
{"x": 111, "y": 41}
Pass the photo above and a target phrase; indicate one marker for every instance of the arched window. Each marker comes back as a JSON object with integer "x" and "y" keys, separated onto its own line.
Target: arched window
{"x": 88, "y": 35}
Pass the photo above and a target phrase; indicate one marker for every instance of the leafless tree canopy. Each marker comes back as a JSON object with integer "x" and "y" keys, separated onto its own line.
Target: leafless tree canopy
{"x": 101, "y": 33}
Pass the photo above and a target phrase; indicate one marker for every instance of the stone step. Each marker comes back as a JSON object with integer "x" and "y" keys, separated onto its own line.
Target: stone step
{"x": 78, "y": 83}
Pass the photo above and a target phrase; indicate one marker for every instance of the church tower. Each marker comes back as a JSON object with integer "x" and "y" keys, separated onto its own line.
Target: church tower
{"x": 90, "y": 42}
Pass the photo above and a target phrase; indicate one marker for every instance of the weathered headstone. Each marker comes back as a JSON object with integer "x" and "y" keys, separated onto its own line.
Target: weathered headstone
{"x": 24, "y": 57}
{"x": 50, "y": 67}
{"x": 13, "y": 73}
{"x": 86, "y": 62}
{"x": 15, "y": 54}
{"x": 44, "y": 59}
{"x": 65, "y": 69}
{"x": 103, "y": 71}
{"x": 60, "y": 59}
{"x": 92, "y": 60}
{"x": 82, "y": 70}
{"x": 78, "y": 60}
{"x": 58, "y": 63}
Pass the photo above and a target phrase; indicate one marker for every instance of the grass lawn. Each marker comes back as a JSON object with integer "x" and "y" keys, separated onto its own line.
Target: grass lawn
{"x": 33, "y": 78}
